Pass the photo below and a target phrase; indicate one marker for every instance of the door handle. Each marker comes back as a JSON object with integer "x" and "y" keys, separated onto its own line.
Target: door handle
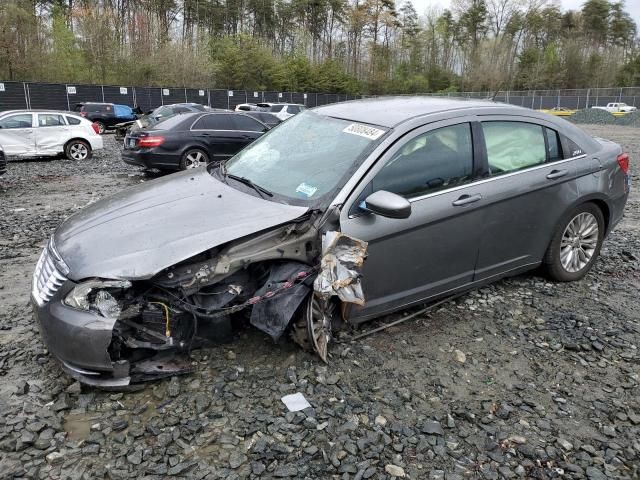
{"x": 557, "y": 174}
{"x": 466, "y": 199}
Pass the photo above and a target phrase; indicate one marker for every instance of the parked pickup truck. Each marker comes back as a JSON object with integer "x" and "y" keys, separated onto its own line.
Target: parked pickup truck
{"x": 616, "y": 107}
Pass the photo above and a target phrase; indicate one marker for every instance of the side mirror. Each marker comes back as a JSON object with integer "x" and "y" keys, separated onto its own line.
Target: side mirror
{"x": 387, "y": 204}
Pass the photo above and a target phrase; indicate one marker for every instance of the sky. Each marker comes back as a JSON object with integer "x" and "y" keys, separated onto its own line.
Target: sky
{"x": 631, "y": 6}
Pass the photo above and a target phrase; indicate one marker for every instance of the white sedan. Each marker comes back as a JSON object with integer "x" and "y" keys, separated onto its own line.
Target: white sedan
{"x": 35, "y": 133}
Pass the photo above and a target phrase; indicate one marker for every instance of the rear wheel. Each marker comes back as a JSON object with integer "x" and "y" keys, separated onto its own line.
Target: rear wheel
{"x": 193, "y": 158}
{"x": 77, "y": 150}
{"x": 101, "y": 126}
{"x": 576, "y": 244}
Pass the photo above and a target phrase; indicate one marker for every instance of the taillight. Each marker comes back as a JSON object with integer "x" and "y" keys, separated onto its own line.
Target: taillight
{"x": 150, "y": 141}
{"x": 623, "y": 161}
{"x": 95, "y": 127}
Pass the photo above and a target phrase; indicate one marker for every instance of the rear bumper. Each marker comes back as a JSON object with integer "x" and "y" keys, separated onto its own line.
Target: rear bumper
{"x": 617, "y": 211}
{"x": 96, "y": 142}
{"x": 150, "y": 159}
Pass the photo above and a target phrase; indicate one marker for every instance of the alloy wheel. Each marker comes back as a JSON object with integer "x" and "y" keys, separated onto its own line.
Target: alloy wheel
{"x": 579, "y": 242}
{"x": 78, "y": 151}
{"x": 318, "y": 315}
{"x": 194, "y": 159}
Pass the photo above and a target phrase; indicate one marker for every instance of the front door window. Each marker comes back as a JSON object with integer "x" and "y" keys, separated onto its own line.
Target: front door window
{"x": 435, "y": 160}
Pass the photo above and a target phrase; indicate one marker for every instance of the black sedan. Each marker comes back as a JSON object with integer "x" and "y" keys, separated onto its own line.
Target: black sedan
{"x": 191, "y": 140}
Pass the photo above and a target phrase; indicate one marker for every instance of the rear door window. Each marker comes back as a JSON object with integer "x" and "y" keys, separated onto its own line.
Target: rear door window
{"x": 247, "y": 123}
{"x": 554, "y": 149}
{"x": 73, "y": 120}
{"x": 23, "y": 120}
{"x": 293, "y": 109}
{"x": 215, "y": 122}
{"x": 429, "y": 162}
{"x": 50, "y": 120}
{"x": 513, "y": 146}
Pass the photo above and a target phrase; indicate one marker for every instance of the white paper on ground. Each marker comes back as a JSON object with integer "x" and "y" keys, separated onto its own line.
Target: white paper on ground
{"x": 295, "y": 402}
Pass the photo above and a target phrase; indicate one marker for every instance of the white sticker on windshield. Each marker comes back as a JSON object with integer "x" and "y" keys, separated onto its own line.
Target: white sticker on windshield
{"x": 366, "y": 131}
{"x": 305, "y": 189}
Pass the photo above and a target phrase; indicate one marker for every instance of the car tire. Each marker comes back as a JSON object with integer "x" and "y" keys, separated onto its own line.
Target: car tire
{"x": 77, "y": 150}
{"x": 101, "y": 127}
{"x": 576, "y": 243}
{"x": 193, "y": 158}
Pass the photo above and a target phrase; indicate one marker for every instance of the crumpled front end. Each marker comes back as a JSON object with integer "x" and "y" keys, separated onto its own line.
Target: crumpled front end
{"x": 112, "y": 333}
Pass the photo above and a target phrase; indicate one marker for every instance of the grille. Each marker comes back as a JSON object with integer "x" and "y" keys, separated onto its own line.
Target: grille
{"x": 48, "y": 276}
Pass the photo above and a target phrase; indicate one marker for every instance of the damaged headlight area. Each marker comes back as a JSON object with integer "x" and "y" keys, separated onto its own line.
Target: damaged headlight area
{"x": 163, "y": 319}
{"x": 147, "y": 328}
{"x": 97, "y": 295}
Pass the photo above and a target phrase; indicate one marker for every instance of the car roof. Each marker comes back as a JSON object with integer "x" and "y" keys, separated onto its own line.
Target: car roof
{"x": 40, "y": 110}
{"x": 392, "y": 111}
{"x": 258, "y": 112}
{"x": 186, "y": 104}
{"x": 270, "y": 104}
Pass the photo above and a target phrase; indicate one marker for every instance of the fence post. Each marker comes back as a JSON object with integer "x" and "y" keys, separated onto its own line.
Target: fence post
{"x": 102, "y": 88}
{"x": 185, "y": 95}
{"x": 66, "y": 91}
{"x": 597, "y": 94}
{"x": 620, "y": 96}
{"x": 26, "y": 96}
{"x": 533, "y": 98}
{"x": 558, "y": 99}
{"x": 588, "y": 93}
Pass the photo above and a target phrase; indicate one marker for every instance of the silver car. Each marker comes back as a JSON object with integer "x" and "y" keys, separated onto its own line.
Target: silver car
{"x": 440, "y": 196}
{"x": 47, "y": 133}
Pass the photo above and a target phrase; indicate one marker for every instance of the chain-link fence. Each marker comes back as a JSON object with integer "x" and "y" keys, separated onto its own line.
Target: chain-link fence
{"x": 59, "y": 96}
{"x": 545, "y": 99}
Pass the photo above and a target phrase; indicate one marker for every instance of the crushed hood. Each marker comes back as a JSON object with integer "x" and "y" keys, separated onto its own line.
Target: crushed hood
{"x": 147, "y": 228}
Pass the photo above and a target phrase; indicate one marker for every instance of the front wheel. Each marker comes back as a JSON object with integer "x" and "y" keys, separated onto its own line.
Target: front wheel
{"x": 77, "y": 150}
{"x": 576, "y": 244}
{"x": 193, "y": 158}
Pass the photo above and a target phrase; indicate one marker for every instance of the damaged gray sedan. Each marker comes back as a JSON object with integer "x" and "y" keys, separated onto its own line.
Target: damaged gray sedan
{"x": 439, "y": 195}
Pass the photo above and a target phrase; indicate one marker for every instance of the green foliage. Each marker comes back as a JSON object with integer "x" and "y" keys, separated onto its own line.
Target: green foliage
{"x": 338, "y": 46}
{"x": 66, "y": 60}
{"x": 629, "y": 75}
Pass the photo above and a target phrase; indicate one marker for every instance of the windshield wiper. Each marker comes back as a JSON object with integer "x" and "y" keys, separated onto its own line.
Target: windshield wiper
{"x": 249, "y": 183}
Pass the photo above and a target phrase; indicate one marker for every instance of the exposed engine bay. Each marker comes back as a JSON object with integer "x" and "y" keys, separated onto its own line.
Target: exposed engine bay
{"x": 281, "y": 281}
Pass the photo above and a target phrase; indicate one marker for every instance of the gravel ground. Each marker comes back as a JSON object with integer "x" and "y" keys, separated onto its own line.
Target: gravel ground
{"x": 524, "y": 378}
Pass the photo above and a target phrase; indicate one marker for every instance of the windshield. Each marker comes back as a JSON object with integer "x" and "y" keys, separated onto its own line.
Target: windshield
{"x": 306, "y": 157}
